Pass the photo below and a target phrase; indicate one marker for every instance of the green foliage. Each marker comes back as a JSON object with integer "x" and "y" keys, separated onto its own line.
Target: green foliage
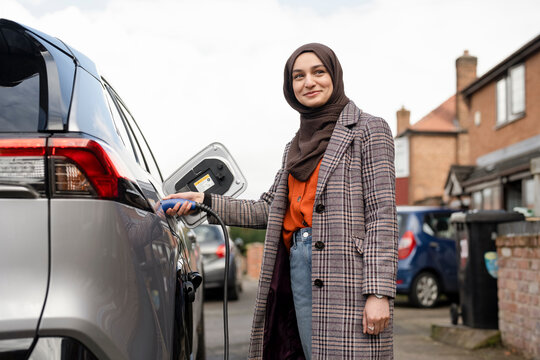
{"x": 248, "y": 236}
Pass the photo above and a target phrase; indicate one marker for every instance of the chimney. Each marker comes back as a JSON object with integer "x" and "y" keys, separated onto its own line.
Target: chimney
{"x": 465, "y": 75}
{"x": 403, "y": 119}
{"x": 465, "y": 70}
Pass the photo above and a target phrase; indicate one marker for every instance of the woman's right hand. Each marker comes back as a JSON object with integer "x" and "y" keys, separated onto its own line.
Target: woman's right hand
{"x": 184, "y": 209}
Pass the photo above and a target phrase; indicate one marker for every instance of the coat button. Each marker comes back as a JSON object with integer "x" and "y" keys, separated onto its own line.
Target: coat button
{"x": 318, "y": 283}
{"x": 319, "y": 245}
{"x": 319, "y": 208}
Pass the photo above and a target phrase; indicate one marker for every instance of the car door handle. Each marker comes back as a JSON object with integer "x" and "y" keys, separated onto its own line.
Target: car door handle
{"x": 434, "y": 245}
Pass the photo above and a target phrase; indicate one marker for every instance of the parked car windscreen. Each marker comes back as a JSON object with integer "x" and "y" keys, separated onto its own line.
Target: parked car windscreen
{"x": 438, "y": 225}
{"x": 208, "y": 235}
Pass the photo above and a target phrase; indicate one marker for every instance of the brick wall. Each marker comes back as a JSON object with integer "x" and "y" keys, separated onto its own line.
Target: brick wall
{"x": 254, "y": 255}
{"x": 486, "y": 137}
{"x": 430, "y": 160}
{"x": 518, "y": 286}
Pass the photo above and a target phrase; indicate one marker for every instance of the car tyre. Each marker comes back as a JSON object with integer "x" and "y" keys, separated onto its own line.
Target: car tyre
{"x": 425, "y": 290}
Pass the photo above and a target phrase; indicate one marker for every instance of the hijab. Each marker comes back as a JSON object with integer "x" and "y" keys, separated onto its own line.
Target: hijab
{"x": 316, "y": 124}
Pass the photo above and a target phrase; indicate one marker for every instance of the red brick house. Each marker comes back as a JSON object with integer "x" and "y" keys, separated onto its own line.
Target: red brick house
{"x": 481, "y": 149}
{"x": 426, "y": 150}
{"x": 500, "y": 126}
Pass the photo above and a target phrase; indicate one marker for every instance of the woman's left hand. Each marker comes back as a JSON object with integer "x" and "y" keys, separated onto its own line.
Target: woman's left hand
{"x": 376, "y": 315}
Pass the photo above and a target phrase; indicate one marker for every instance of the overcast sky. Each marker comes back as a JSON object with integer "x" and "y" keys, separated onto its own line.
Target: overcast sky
{"x": 198, "y": 71}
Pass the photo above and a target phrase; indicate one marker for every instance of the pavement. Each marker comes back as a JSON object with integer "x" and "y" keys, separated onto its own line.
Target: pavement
{"x": 412, "y": 336}
{"x": 412, "y": 329}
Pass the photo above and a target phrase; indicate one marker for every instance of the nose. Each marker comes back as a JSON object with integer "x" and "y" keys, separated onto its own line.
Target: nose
{"x": 309, "y": 83}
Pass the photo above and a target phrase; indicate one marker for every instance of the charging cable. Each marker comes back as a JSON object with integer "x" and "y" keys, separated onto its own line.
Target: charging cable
{"x": 170, "y": 203}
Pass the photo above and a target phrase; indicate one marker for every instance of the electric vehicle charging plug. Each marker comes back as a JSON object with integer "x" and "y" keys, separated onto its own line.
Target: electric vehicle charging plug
{"x": 170, "y": 203}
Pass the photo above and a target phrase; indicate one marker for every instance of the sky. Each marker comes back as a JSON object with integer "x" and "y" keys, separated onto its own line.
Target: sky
{"x": 194, "y": 72}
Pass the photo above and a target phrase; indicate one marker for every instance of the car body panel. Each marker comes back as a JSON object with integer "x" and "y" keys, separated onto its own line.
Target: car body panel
{"x": 95, "y": 260}
{"x": 23, "y": 261}
{"x": 433, "y": 254}
{"x": 103, "y": 273}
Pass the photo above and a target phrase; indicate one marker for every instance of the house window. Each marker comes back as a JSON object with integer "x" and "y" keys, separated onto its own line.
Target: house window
{"x": 511, "y": 95}
{"x": 477, "y": 200}
{"x": 513, "y": 195}
{"x": 528, "y": 194}
{"x": 488, "y": 198}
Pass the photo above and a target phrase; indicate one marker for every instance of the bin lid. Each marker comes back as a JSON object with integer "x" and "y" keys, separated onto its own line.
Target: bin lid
{"x": 497, "y": 216}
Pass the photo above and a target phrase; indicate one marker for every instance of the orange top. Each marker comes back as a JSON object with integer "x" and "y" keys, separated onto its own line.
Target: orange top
{"x": 301, "y": 200}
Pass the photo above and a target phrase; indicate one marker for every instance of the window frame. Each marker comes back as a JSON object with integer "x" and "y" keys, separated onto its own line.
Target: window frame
{"x": 507, "y": 97}
{"x": 139, "y": 143}
{"x": 120, "y": 124}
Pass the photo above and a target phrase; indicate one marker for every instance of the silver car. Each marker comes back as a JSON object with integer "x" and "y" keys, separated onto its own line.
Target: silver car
{"x": 212, "y": 244}
{"x": 90, "y": 267}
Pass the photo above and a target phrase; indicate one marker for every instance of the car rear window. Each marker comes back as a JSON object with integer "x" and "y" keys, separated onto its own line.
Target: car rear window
{"x": 208, "y": 235}
{"x": 22, "y": 78}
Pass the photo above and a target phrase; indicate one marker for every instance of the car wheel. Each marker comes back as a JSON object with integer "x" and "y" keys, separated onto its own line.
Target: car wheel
{"x": 425, "y": 290}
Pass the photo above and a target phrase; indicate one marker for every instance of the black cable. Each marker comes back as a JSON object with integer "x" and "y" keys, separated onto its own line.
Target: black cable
{"x": 209, "y": 210}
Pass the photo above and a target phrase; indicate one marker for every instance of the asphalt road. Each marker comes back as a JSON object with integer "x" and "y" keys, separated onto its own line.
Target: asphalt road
{"x": 240, "y": 317}
{"x": 411, "y": 330}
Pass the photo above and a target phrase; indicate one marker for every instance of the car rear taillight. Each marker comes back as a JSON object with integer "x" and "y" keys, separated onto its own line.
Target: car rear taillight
{"x": 220, "y": 251}
{"x": 75, "y": 167}
{"x": 22, "y": 162}
{"x": 83, "y": 167}
{"x": 406, "y": 245}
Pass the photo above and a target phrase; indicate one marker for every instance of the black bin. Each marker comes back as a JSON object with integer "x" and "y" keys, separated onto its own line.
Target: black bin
{"x": 476, "y": 250}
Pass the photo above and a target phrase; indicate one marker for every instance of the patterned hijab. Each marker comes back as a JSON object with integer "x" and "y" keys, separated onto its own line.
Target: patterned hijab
{"x": 316, "y": 124}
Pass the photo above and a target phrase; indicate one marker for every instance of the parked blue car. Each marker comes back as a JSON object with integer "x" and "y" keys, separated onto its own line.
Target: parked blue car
{"x": 427, "y": 265}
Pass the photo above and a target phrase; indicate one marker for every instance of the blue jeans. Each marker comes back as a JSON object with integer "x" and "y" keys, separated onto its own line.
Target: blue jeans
{"x": 300, "y": 260}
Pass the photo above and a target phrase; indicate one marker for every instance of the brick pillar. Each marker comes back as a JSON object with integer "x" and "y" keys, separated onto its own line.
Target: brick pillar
{"x": 254, "y": 259}
{"x": 465, "y": 75}
{"x": 519, "y": 291}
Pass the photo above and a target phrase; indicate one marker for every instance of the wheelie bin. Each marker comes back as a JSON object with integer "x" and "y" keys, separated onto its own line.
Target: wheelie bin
{"x": 476, "y": 232}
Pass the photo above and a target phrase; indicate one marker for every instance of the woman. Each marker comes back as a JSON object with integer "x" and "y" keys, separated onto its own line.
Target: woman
{"x": 331, "y": 239}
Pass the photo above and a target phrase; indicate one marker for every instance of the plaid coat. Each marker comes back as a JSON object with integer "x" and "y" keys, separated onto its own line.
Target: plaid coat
{"x": 355, "y": 218}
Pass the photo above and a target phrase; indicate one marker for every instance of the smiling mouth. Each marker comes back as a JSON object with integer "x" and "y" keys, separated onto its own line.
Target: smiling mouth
{"x": 312, "y": 93}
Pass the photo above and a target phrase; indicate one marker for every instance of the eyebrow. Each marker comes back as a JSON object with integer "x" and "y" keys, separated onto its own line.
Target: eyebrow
{"x": 313, "y": 67}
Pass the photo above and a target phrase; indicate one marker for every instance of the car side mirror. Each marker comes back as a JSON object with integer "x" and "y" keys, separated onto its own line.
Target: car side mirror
{"x": 213, "y": 171}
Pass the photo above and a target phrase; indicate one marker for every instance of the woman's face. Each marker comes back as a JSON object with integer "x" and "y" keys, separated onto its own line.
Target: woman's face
{"x": 312, "y": 84}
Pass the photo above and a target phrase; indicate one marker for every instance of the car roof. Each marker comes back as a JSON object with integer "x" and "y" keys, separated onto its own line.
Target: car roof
{"x": 82, "y": 60}
{"x": 412, "y": 208}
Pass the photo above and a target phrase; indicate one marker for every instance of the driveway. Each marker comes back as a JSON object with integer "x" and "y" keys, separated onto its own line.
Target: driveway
{"x": 411, "y": 329}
